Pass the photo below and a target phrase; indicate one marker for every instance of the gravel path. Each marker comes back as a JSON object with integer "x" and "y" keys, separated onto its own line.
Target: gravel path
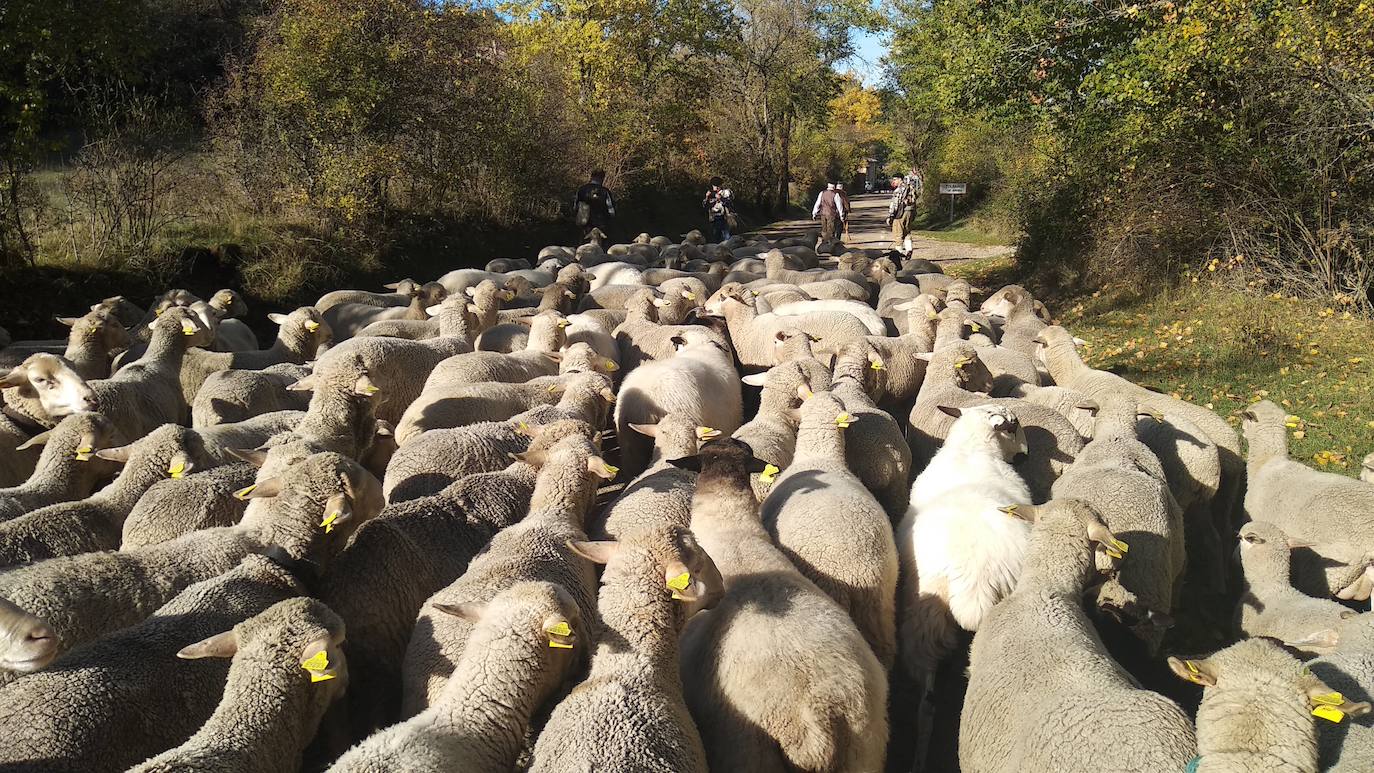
{"x": 867, "y": 230}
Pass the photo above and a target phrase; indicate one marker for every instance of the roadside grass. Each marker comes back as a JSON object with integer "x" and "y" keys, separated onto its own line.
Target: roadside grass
{"x": 1225, "y": 349}
{"x": 966, "y": 229}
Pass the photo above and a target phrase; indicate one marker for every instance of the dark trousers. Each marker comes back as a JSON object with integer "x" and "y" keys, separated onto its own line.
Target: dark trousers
{"x": 830, "y": 226}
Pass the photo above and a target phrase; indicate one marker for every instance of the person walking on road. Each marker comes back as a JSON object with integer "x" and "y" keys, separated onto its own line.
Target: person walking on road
{"x": 829, "y": 208}
{"x": 901, "y": 209}
{"x": 719, "y": 205}
{"x": 593, "y": 207}
{"x": 844, "y": 202}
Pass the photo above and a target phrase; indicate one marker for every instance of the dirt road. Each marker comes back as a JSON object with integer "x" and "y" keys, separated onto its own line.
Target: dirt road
{"x": 867, "y": 230}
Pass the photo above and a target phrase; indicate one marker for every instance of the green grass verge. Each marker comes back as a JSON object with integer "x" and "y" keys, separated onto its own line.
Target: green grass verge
{"x": 1226, "y": 349}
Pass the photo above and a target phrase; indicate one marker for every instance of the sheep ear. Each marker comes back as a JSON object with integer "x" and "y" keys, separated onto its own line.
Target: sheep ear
{"x": 14, "y": 378}
{"x": 758, "y": 465}
{"x": 755, "y": 379}
{"x": 221, "y": 645}
{"x": 598, "y": 467}
{"x": 280, "y": 319}
{"x": 469, "y": 611}
{"x": 692, "y": 463}
{"x": 68, "y": 321}
{"x": 1249, "y": 415}
{"x": 647, "y": 430}
{"x": 261, "y": 490}
{"x": 1196, "y": 671}
{"x": 35, "y": 441}
{"x": 925, "y": 356}
{"x": 1029, "y": 513}
{"x": 950, "y": 410}
{"x": 254, "y": 456}
{"x": 607, "y": 394}
{"x": 554, "y": 356}
{"x": 120, "y": 454}
{"x": 599, "y": 552}
{"x": 306, "y": 384}
{"x": 1327, "y": 637}
{"x": 470, "y": 292}
{"x": 1091, "y": 406}
{"x": 1078, "y": 342}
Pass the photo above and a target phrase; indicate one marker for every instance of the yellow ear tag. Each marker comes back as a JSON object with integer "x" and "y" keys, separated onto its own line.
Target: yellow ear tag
{"x": 612, "y": 469}
{"x": 328, "y": 522}
{"x": 611, "y": 367}
{"x": 974, "y": 327}
{"x": 370, "y": 389}
{"x": 177, "y": 469}
{"x": 707, "y": 433}
{"x": 681, "y": 581}
{"x": 843, "y": 421}
{"x": 1111, "y": 551}
{"x": 875, "y": 364}
{"x": 769, "y": 473}
{"x": 316, "y": 666}
{"x": 553, "y": 388}
{"x": 188, "y": 329}
{"x": 83, "y": 454}
{"x": 92, "y": 329}
{"x": 311, "y": 327}
{"x": 244, "y": 492}
{"x": 157, "y": 312}
{"x": 959, "y": 364}
{"x": 1008, "y": 509}
{"x": 1329, "y": 713}
{"x": 562, "y": 323}
{"x": 691, "y": 296}
{"x": 932, "y": 315}
{"x": 1329, "y": 699}
{"x": 1121, "y": 546}
{"x": 561, "y": 628}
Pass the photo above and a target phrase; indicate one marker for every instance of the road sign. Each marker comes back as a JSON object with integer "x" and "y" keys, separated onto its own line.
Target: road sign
{"x": 953, "y": 188}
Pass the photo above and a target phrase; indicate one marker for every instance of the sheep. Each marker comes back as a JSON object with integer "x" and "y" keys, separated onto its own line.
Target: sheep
{"x": 94, "y": 339}
{"x": 108, "y": 705}
{"x": 514, "y": 336}
{"x": 1020, "y": 322}
{"x": 534, "y": 549}
{"x": 396, "y": 562}
{"x": 1318, "y": 507}
{"x": 83, "y": 597}
{"x": 1043, "y": 692}
{"x": 1057, "y": 351}
{"x": 1333, "y": 569}
{"x": 124, "y": 310}
{"x": 400, "y": 296}
{"x": 36, "y": 394}
{"x": 837, "y": 290}
{"x": 27, "y": 643}
{"x": 614, "y": 273}
{"x": 641, "y": 338}
{"x": 450, "y": 318}
{"x": 1270, "y": 606}
{"x": 629, "y": 714}
{"x": 775, "y": 265}
{"x": 231, "y": 396}
{"x": 175, "y": 298}
{"x": 698, "y": 383}
{"x": 663, "y": 492}
{"x": 1078, "y": 408}
{"x": 903, "y": 371}
{"x": 772, "y": 433}
{"x": 818, "y": 497}
{"x": 752, "y": 334}
{"x": 1367, "y": 468}
{"x": 879, "y": 455}
{"x": 960, "y": 551}
{"x": 780, "y": 677}
{"x": 956, "y": 378}
{"x": 269, "y": 711}
{"x": 397, "y": 366}
{"x": 1348, "y": 747}
{"x": 1257, "y": 709}
{"x": 584, "y": 329}
{"x": 1120, "y": 478}
{"x": 301, "y": 335}
{"x": 65, "y": 470}
{"x": 860, "y": 311}
{"x": 539, "y": 358}
{"x": 472, "y": 403}
{"x": 521, "y": 654}
{"x": 436, "y": 458}
{"x": 346, "y": 319}
{"x": 228, "y": 335}
{"x": 173, "y": 507}
{"x": 94, "y": 523}
{"x": 555, "y": 297}
{"x": 146, "y": 393}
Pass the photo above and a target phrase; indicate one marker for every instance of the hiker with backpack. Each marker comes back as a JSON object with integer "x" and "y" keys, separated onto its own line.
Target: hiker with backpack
{"x": 901, "y": 209}
{"x": 719, "y": 206}
{"x": 829, "y": 208}
{"x": 593, "y": 207}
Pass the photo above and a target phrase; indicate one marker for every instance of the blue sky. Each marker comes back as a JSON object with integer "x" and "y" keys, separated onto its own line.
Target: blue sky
{"x": 869, "y": 48}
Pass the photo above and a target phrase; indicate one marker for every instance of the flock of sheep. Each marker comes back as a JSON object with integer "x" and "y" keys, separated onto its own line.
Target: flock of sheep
{"x": 658, "y": 507}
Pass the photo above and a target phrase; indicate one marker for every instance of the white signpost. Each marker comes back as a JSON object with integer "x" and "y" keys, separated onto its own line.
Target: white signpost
{"x": 953, "y": 189}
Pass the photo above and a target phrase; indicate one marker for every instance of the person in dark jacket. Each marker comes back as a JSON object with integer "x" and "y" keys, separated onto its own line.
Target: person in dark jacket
{"x": 593, "y": 206}
{"x": 719, "y": 205}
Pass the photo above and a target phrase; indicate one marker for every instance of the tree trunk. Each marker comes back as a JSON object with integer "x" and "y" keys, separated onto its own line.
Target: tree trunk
{"x": 785, "y": 167}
